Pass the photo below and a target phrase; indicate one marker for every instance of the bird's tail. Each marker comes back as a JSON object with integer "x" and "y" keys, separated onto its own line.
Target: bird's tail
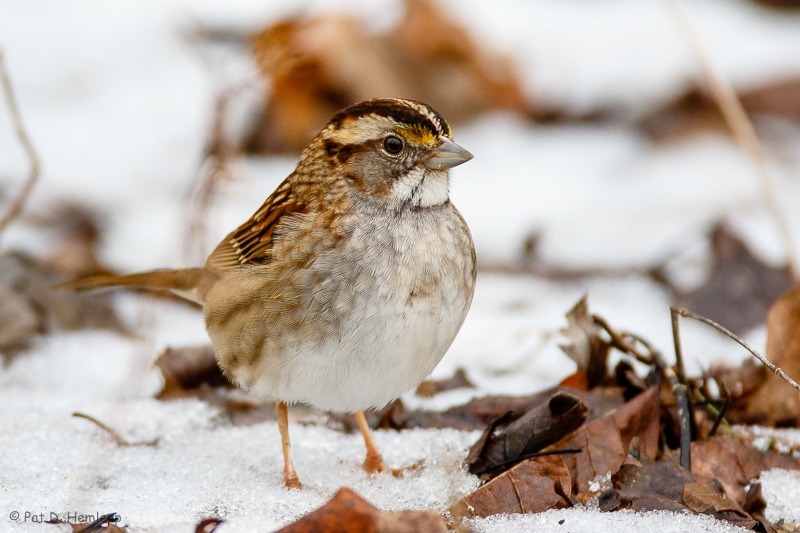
{"x": 182, "y": 282}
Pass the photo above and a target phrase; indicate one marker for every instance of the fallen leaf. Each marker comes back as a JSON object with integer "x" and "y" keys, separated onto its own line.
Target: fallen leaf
{"x": 734, "y": 463}
{"x": 511, "y": 437}
{"x": 552, "y": 482}
{"x": 185, "y": 369}
{"x": 742, "y": 383}
{"x": 28, "y": 306}
{"x": 316, "y": 66}
{"x": 605, "y": 441}
{"x": 529, "y": 487}
{"x": 647, "y": 485}
{"x": 480, "y": 412}
{"x": 209, "y": 525}
{"x": 429, "y": 388}
{"x": 776, "y": 403}
{"x": 696, "y": 112}
{"x": 347, "y": 512}
{"x": 740, "y": 289}
{"x": 586, "y": 346}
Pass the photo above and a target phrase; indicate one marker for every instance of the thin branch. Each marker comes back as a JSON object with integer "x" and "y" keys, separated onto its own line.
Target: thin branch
{"x": 116, "y": 437}
{"x": 742, "y": 129}
{"x": 680, "y": 370}
{"x": 11, "y": 102}
{"x": 681, "y": 393}
{"x": 688, "y": 314}
{"x": 726, "y": 403}
{"x": 511, "y": 462}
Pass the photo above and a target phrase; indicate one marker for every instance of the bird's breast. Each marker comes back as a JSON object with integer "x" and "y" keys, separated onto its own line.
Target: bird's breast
{"x": 368, "y": 318}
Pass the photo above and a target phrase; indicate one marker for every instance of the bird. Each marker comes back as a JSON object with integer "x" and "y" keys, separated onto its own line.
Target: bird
{"x": 347, "y": 286}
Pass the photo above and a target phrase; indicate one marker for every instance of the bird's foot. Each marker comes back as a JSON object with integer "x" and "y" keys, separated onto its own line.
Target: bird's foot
{"x": 291, "y": 481}
{"x": 374, "y": 464}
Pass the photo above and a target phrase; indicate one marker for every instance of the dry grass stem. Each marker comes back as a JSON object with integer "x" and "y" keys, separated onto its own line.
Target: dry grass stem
{"x": 33, "y": 176}
{"x": 116, "y": 437}
{"x": 688, "y": 314}
{"x": 215, "y": 168}
{"x": 742, "y": 129}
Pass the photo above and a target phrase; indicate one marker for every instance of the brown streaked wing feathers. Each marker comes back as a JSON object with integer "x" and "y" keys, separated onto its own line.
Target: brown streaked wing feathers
{"x": 252, "y": 241}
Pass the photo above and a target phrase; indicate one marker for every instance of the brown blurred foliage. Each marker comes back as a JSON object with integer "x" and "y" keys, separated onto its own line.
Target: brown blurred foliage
{"x": 317, "y": 66}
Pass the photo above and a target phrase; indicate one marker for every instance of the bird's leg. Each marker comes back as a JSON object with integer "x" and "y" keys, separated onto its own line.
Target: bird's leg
{"x": 289, "y": 475}
{"x": 374, "y": 462}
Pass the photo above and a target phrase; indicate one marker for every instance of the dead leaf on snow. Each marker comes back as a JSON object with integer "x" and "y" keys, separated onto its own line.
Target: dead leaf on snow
{"x": 553, "y": 482}
{"x": 776, "y": 403}
{"x": 647, "y": 485}
{"x": 185, "y": 369}
{"x": 742, "y": 383}
{"x": 734, "y": 463}
{"x": 586, "y": 346}
{"x": 28, "y": 306}
{"x": 429, "y": 388}
{"x": 740, "y": 289}
{"x": 480, "y": 412}
{"x": 316, "y": 66}
{"x": 696, "y": 112}
{"x": 347, "y": 512}
{"x": 511, "y": 437}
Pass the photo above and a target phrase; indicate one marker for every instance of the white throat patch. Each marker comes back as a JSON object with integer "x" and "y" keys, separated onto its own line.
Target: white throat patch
{"x": 422, "y": 187}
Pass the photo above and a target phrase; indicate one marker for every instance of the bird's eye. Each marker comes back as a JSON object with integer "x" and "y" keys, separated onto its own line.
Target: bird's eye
{"x": 392, "y": 144}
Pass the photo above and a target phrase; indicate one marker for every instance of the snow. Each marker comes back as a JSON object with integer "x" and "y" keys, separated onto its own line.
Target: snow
{"x": 117, "y": 100}
{"x": 781, "y": 488}
{"x": 592, "y": 521}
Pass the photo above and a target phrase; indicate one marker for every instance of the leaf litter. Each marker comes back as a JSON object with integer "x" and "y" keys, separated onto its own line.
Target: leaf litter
{"x": 546, "y": 451}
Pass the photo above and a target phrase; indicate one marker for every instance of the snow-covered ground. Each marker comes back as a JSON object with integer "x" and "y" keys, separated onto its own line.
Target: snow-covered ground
{"x": 118, "y": 102}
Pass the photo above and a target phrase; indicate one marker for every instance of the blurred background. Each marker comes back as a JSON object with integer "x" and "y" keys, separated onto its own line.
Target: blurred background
{"x": 602, "y": 162}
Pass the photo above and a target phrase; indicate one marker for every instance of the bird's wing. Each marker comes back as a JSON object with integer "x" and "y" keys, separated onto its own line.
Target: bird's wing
{"x": 251, "y": 242}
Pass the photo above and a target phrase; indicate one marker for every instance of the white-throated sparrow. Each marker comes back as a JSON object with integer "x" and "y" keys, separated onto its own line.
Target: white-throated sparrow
{"x": 346, "y": 288}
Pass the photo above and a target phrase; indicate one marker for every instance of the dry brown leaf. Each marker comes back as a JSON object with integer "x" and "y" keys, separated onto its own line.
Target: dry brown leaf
{"x": 734, "y": 463}
{"x": 605, "y": 441}
{"x": 776, "y": 403}
{"x": 480, "y": 412}
{"x": 586, "y": 346}
{"x": 696, "y": 112}
{"x": 319, "y": 65}
{"x": 511, "y": 437}
{"x": 741, "y": 287}
{"x": 347, "y": 512}
{"x": 185, "y": 369}
{"x": 549, "y": 482}
{"x": 647, "y": 485}
{"x": 429, "y": 388}
{"x": 28, "y": 306}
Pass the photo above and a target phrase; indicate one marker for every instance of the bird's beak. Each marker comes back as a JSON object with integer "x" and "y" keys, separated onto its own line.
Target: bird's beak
{"x": 447, "y": 155}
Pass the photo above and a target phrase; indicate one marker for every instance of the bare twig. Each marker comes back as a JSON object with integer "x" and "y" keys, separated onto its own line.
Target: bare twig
{"x": 681, "y": 393}
{"x": 116, "y": 437}
{"x": 97, "y": 525}
{"x": 11, "y": 102}
{"x": 688, "y": 314}
{"x": 726, "y": 403}
{"x": 680, "y": 370}
{"x": 677, "y": 380}
{"x": 214, "y": 169}
{"x": 742, "y": 129}
{"x": 619, "y": 340}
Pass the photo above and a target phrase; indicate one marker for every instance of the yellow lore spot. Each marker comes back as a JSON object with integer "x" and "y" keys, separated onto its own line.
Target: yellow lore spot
{"x": 417, "y": 134}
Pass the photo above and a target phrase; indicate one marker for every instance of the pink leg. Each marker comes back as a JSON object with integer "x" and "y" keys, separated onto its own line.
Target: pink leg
{"x": 290, "y": 479}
